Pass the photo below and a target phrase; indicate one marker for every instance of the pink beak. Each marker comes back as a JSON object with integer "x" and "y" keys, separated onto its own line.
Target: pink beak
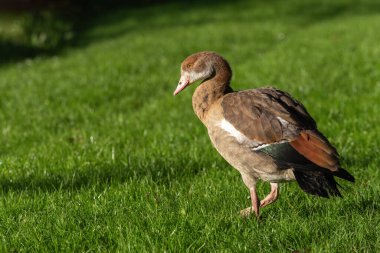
{"x": 183, "y": 82}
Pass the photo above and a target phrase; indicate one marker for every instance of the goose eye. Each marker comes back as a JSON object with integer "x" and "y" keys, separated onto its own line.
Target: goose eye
{"x": 188, "y": 65}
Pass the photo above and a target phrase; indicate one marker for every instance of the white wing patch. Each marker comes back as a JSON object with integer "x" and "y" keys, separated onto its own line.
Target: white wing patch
{"x": 228, "y": 127}
{"x": 261, "y": 146}
{"x": 266, "y": 145}
{"x": 241, "y": 138}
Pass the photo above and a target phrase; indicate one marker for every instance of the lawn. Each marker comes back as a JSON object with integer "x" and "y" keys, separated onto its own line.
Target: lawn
{"x": 97, "y": 155}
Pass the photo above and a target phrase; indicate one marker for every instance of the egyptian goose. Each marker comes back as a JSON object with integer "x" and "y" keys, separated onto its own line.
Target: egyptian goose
{"x": 264, "y": 133}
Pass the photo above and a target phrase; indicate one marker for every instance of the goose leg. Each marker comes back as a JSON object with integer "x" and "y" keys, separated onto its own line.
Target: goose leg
{"x": 255, "y": 204}
{"x": 272, "y": 196}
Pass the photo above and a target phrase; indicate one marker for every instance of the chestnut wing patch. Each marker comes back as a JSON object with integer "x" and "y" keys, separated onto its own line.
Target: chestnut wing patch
{"x": 316, "y": 148}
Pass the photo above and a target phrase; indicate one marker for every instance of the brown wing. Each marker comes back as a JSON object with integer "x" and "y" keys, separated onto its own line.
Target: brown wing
{"x": 268, "y": 115}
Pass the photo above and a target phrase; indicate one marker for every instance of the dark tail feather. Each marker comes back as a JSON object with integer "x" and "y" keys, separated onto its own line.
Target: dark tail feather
{"x": 317, "y": 182}
{"x": 342, "y": 173}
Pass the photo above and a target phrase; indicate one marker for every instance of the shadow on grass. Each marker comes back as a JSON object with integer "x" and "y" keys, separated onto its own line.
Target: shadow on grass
{"x": 364, "y": 204}
{"x": 159, "y": 171}
{"x": 11, "y": 51}
{"x": 145, "y": 18}
{"x": 299, "y": 12}
{"x": 319, "y": 11}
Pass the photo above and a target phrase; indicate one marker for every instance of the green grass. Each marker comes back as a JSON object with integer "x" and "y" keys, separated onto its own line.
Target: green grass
{"x": 97, "y": 155}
